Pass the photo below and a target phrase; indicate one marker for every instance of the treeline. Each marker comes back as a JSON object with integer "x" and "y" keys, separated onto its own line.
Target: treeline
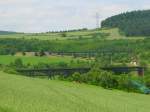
{"x": 134, "y": 23}
{"x": 8, "y": 46}
{"x": 64, "y": 31}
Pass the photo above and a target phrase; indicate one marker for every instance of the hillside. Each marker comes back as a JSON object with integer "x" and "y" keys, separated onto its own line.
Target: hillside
{"x": 22, "y": 94}
{"x": 104, "y": 33}
{"x": 58, "y": 35}
{"x": 134, "y": 23}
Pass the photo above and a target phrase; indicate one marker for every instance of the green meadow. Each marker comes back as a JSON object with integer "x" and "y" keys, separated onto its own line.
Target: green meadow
{"x": 33, "y": 60}
{"x": 23, "y": 94}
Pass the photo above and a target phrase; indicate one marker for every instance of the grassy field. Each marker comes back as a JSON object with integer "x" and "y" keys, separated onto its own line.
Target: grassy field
{"x": 53, "y": 36}
{"x": 6, "y": 59}
{"x": 113, "y": 34}
{"x": 23, "y": 94}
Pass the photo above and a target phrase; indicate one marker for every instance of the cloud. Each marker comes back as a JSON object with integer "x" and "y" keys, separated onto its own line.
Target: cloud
{"x": 40, "y": 16}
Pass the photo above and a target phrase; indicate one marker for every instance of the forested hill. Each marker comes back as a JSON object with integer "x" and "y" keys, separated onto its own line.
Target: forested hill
{"x": 136, "y": 23}
{"x": 6, "y": 32}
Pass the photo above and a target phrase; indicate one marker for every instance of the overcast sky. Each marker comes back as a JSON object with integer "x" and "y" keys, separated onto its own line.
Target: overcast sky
{"x": 49, "y": 15}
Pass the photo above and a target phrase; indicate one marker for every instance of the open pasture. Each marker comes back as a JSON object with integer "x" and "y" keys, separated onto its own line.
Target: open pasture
{"x": 87, "y": 34}
{"x": 33, "y": 60}
{"x": 23, "y": 94}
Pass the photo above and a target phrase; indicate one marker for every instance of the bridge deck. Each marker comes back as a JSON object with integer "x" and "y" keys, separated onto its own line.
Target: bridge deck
{"x": 69, "y": 71}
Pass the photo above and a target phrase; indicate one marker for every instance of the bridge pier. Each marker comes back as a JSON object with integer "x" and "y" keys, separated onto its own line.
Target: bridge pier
{"x": 141, "y": 71}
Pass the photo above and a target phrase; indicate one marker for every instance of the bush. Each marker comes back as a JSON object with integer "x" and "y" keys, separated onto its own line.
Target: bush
{"x": 107, "y": 80}
{"x": 127, "y": 83}
{"x": 147, "y": 80}
{"x": 64, "y": 35}
{"x": 96, "y": 77}
{"x": 42, "y": 53}
{"x": 18, "y": 63}
{"x": 123, "y": 82}
{"x": 23, "y": 53}
{"x": 10, "y": 70}
{"x": 62, "y": 64}
{"x": 77, "y": 77}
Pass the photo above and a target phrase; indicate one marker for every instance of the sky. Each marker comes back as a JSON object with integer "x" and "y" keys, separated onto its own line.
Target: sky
{"x": 56, "y": 15}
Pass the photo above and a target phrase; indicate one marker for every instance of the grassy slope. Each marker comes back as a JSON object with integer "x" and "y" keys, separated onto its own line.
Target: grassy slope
{"x": 22, "y": 94}
{"x": 6, "y": 59}
{"x": 52, "y": 36}
{"x": 114, "y": 34}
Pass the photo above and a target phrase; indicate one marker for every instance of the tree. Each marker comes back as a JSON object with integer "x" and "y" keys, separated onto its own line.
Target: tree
{"x": 143, "y": 63}
{"x": 135, "y": 23}
{"x": 36, "y": 54}
{"x": 18, "y": 63}
{"x": 64, "y": 34}
{"x": 62, "y": 64}
{"x": 77, "y": 77}
{"x": 42, "y": 53}
{"x": 23, "y": 53}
